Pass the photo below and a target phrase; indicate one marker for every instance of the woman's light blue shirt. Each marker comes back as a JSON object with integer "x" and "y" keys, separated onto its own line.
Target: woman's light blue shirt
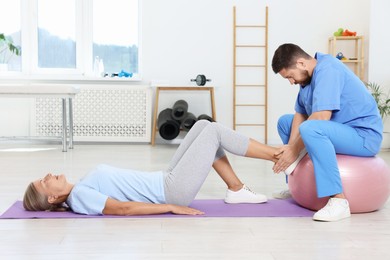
{"x": 89, "y": 196}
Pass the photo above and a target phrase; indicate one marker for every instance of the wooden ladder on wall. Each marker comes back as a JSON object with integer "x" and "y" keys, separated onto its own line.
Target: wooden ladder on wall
{"x": 250, "y": 104}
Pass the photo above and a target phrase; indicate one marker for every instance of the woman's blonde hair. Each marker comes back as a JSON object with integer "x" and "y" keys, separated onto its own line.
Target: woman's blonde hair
{"x": 35, "y": 201}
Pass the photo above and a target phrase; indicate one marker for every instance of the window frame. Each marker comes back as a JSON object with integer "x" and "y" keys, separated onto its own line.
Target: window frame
{"x": 84, "y": 46}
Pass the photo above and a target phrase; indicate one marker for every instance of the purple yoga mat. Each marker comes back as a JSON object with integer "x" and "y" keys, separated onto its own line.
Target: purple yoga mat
{"x": 212, "y": 208}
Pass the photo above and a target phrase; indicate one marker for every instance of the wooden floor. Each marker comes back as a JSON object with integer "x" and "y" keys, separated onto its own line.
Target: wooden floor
{"x": 363, "y": 236}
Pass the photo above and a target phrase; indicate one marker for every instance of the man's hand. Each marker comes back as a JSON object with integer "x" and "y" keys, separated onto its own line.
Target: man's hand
{"x": 286, "y": 155}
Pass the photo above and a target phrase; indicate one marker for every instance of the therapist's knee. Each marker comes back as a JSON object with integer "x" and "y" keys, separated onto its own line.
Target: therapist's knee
{"x": 310, "y": 128}
{"x": 284, "y": 127}
{"x": 285, "y": 120}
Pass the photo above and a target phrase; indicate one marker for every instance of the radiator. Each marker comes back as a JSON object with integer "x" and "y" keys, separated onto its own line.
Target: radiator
{"x": 102, "y": 113}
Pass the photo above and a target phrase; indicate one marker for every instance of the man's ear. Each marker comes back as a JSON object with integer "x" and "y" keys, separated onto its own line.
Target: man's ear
{"x": 301, "y": 63}
{"x": 52, "y": 199}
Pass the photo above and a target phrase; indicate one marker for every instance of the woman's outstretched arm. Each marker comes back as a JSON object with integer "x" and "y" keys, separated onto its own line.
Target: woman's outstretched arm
{"x": 128, "y": 208}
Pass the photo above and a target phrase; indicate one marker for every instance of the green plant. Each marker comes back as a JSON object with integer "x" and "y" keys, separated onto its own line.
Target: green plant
{"x": 7, "y": 48}
{"x": 382, "y": 99}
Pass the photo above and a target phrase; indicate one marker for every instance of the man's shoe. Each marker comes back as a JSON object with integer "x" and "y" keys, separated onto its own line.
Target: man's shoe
{"x": 336, "y": 209}
{"x": 292, "y": 167}
{"x": 282, "y": 194}
{"x": 245, "y": 195}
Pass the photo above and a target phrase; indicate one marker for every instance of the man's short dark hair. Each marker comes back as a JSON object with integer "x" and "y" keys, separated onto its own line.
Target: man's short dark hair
{"x": 286, "y": 56}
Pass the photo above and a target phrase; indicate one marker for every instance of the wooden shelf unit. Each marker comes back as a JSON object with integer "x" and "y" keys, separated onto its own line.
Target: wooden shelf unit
{"x": 357, "y": 63}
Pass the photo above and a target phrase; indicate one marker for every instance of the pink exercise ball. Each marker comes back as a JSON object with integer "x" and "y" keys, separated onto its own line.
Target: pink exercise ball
{"x": 365, "y": 180}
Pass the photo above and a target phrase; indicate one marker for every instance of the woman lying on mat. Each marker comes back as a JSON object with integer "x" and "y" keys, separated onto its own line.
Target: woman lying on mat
{"x": 112, "y": 191}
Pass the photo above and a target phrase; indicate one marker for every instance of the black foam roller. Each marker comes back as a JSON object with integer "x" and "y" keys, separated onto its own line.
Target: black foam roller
{"x": 179, "y": 110}
{"x": 188, "y": 122}
{"x": 167, "y": 127}
{"x": 206, "y": 117}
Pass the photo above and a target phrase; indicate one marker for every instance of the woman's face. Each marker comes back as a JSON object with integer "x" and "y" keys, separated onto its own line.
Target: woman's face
{"x": 52, "y": 185}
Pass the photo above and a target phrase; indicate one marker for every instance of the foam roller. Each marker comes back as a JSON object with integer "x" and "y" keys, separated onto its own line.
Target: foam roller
{"x": 179, "y": 110}
{"x": 168, "y": 127}
{"x": 206, "y": 117}
{"x": 188, "y": 122}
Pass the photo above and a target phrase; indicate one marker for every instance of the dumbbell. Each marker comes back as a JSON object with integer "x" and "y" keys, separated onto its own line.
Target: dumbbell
{"x": 200, "y": 80}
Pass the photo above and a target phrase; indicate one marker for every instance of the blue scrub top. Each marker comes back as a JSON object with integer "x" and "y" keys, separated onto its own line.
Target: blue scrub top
{"x": 336, "y": 88}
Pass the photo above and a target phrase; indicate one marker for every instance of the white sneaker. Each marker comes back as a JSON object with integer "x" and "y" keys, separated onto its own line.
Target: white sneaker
{"x": 282, "y": 194}
{"x": 336, "y": 209}
{"x": 292, "y": 167}
{"x": 245, "y": 195}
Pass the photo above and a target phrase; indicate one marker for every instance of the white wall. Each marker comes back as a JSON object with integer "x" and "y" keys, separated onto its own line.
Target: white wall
{"x": 183, "y": 38}
{"x": 379, "y": 70}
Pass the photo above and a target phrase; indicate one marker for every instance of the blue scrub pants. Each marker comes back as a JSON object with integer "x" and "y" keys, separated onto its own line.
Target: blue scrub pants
{"x": 323, "y": 139}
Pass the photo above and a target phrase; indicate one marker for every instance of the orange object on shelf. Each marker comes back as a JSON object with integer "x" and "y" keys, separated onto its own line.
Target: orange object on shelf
{"x": 349, "y": 33}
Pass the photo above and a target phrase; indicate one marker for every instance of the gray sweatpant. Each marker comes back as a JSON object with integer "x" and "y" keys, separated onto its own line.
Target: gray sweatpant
{"x": 193, "y": 160}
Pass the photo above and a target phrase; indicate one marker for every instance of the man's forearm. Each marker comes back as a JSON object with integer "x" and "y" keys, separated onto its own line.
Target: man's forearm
{"x": 295, "y": 137}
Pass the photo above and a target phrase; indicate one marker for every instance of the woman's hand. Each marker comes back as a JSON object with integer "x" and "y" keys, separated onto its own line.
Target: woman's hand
{"x": 130, "y": 208}
{"x": 182, "y": 210}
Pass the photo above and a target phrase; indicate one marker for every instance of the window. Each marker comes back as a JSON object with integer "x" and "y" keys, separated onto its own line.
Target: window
{"x": 56, "y": 34}
{"x": 115, "y": 40}
{"x": 10, "y": 28}
{"x": 65, "y": 37}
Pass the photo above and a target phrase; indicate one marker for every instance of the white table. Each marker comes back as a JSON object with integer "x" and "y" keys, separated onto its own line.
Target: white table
{"x": 65, "y": 92}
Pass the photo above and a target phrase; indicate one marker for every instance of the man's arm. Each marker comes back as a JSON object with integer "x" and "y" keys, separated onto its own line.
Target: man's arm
{"x": 289, "y": 153}
{"x": 321, "y": 115}
{"x": 295, "y": 137}
{"x": 128, "y": 208}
